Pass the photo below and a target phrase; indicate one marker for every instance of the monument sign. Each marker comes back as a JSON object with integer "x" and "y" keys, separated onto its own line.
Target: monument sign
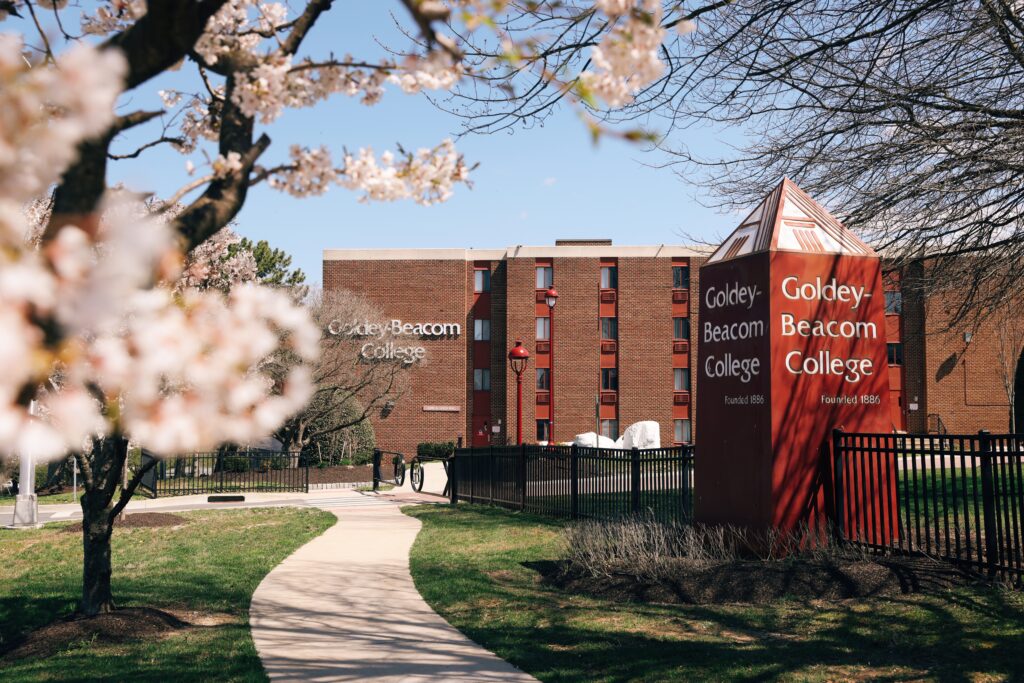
{"x": 792, "y": 344}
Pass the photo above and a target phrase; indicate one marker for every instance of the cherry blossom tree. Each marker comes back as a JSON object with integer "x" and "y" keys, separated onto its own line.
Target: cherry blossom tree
{"x": 102, "y": 330}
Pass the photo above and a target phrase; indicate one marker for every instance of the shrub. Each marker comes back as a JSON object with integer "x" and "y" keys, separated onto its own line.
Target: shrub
{"x": 646, "y": 547}
{"x": 235, "y": 463}
{"x": 436, "y": 449}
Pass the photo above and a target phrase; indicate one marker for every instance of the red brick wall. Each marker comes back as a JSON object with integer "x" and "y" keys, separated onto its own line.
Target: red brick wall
{"x": 417, "y": 291}
{"x": 964, "y": 380}
{"x": 576, "y": 345}
{"x": 645, "y": 343}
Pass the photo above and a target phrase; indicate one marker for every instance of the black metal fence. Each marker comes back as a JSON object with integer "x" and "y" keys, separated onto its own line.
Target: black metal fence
{"x": 577, "y": 482}
{"x": 956, "y": 497}
{"x": 232, "y": 472}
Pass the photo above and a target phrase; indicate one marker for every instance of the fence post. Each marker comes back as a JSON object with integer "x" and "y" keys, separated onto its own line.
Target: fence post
{"x": 838, "y": 498}
{"x": 307, "y": 476}
{"x": 453, "y": 478}
{"x": 988, "y": 501}
{"x": 634, "y": 480}
{"x": 222, "y": 468}
{"x": 574, "y": 482}
{"x": 377, "y": 455}
{"x": 522, "y": 477}
{"x": 490, "y": 478}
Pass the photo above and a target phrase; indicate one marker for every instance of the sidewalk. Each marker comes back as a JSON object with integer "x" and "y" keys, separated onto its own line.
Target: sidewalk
{"x": 344, "y": 608}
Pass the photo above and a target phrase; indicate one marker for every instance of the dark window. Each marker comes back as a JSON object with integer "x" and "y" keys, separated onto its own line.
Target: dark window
{"x": 609, "y": 328}
{"x": 543, "y": 329}
{"x": 680, "y": 277}
{"x": 543, "y": 430}
{"x": 682, "y": 379}
{"x": 545, "y": 277}
{"x": 481, "y": 281}
{"x": 610, "y": 429}
{"x": 482, "y": 379}
{"x": 609, "y": 277}
{"x": 683, "y": 432}
{"x": 894, "y": 302}
{"x": 681, "y": 328}
{"x": 609, "y": 379}
{"x": 895, "y": 354}
{"x": 543, "y": 379}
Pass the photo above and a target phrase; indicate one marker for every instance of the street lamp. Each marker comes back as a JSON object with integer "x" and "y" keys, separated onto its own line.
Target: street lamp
{"x": 551, "y": 298}
{"x": 518, "y": 357}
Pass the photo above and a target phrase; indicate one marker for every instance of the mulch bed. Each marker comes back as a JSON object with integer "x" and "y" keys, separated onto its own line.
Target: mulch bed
{"x": 340, "y": 474}
{"x": 758, "y": 582}
{"x": 116, "y": 627}
{"x": 138, "y": 520}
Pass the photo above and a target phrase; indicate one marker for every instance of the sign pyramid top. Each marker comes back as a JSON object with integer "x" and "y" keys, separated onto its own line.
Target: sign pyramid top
{"x": 789, "y": 220}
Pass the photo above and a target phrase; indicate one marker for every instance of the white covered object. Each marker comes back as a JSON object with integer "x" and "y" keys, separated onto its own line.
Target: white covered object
{"x": 594, "y": 440}
{"x": 646, "y": 434}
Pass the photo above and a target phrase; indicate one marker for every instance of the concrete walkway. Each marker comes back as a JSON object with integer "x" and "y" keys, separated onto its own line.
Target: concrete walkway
{"x": 344, "y": 608}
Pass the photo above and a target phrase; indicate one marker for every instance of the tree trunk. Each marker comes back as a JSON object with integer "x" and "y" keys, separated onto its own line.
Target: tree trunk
{"x": 96, "y": 570}
{"x": 106, "y": 461}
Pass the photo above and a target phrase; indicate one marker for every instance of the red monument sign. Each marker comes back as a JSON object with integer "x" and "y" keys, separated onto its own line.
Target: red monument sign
{"x": 792, "y": 344}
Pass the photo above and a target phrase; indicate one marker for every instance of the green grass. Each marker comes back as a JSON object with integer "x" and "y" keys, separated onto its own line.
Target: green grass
{"x": 472, "y": 565}
{"x": 51, "y": 499}
{"x": 212, "y": 565}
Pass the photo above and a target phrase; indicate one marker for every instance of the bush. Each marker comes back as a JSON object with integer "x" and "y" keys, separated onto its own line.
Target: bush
{"x": 235, "y": 463}
{"x": 436, "y": 449}
{"x": 649, "y": 548}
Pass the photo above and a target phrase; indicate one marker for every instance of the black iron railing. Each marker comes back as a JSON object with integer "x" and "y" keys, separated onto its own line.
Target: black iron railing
{"x": 231, "y": 472}
{"x": 577, "y": 482}
{"x": 956, "y": 497}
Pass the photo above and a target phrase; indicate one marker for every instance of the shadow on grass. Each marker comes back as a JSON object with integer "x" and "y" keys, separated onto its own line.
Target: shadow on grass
{"x": 469, "y": 565}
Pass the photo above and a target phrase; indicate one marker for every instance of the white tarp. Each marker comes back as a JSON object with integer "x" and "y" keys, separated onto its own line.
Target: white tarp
{"x": 646, "y": 434}
{"x": 594, "y": 440}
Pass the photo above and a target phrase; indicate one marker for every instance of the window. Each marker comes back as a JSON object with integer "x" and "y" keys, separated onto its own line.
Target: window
{"x": 894, "y": 302}
{"x": 481, "y": 280}
{"x": 610, "y": 428}
{"x": 681, "y": 328}
{"x": 609, "y": 277}
{"x": 895, "y": 354}
{"x": 683, "y": 433}
{"x": 482, "y": 330}
{"x": 543, "y": 379}
{"x": 545, "y": 277}
{"x": 682, "y": 379}
{"x": 482, "y": 379}
{"x": 609, "y": 379}
{"x": 543, "y": 329}
{"x": 609, "y": 328}
{"x": 680, "y": 277}
{"x": 543, "y": 430}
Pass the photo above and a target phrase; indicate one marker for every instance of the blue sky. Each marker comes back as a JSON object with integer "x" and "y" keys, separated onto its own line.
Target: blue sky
{"x": 531, "y": 187}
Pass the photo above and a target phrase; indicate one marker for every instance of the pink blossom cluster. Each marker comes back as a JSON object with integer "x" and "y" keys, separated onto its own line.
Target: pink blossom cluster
{"x": 427, "y": 177}
{"x": 310, "y": 173}
{"x": 116, "y": 15}
{"x": 44, "y": 112}
{"x": 91, "y": 317}
{"x": 214, "y": 265}
{"x": 627, "y": 58}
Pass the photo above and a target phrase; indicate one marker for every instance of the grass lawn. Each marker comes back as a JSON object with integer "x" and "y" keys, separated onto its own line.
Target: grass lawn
{"x": 472, "y": 565}
{"x": 211, "y": 565}
{"x": 51, "y": 499}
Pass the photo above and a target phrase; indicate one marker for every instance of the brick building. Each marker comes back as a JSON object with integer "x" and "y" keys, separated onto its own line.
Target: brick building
{"x": 616, "y": 349}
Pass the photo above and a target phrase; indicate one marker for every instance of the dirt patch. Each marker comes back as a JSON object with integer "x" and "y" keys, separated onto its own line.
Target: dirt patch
{"x": 116, "y": 627}
{"x": 138, "y": 520}
{"x": 340, "y": 474}
{"x": 758, "y": 582}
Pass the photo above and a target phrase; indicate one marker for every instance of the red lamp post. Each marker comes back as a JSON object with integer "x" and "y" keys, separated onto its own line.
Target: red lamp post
{"x": 518, "y": 357}
{"x": 551, "y": 298}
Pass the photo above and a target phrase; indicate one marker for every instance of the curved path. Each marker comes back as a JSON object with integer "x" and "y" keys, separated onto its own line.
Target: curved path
{"x": 344, "y": 608}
